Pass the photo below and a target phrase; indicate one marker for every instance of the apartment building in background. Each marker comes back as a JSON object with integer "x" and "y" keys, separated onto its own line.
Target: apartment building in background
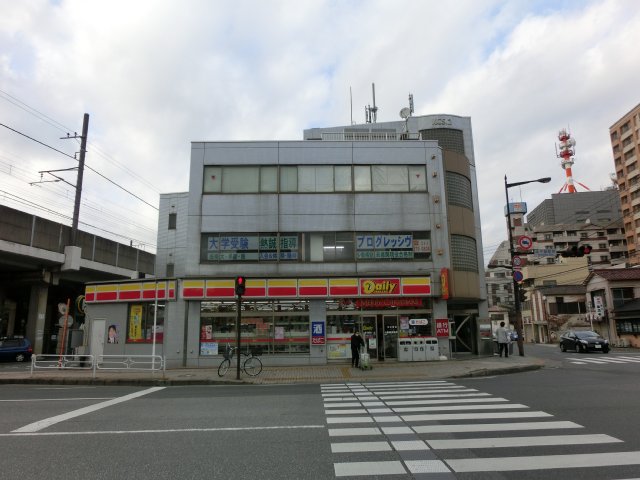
{"x": 625, "y": 144}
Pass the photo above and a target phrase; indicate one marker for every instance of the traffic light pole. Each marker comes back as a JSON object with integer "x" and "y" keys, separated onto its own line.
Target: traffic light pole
{"x": 238, "y": 336}
{"x": 516, "y": 285}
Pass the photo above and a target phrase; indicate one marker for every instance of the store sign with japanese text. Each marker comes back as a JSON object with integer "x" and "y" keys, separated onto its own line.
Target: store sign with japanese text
{"x": 317, "y": 333}
{"x": 388, "y": 302}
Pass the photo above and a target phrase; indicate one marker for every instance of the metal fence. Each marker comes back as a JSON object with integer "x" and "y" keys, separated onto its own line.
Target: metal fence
{"x": 95, "y": 363}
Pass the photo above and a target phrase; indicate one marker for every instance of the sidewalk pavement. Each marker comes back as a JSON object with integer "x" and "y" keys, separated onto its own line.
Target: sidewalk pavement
{"x": 310, "y": 374}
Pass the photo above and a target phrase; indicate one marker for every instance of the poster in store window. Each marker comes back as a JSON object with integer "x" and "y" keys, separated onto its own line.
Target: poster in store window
{"x": 279, "y": 333}
{"x": 135, "y": 323}
{"x": 208, "y": 348}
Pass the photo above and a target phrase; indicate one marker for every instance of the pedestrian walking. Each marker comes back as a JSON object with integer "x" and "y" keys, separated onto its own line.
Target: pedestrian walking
{"x": 502, "y": 336}
{"x": 356, "y": 343}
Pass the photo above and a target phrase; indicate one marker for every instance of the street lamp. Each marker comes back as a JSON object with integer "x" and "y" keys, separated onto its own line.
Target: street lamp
{"x": 516, "y": 285}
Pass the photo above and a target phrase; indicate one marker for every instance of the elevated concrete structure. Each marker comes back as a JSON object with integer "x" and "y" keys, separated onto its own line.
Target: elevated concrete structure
{"x": 39, "y": 269}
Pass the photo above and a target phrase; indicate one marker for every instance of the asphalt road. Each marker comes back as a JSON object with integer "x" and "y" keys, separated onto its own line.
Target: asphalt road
{"x": 338, "y": 431}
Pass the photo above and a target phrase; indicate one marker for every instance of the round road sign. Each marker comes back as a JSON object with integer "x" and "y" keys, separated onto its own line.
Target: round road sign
{"x": 517, "y": 261}
{"x": 517, "y": 276}
{"x": 525, "y": 242}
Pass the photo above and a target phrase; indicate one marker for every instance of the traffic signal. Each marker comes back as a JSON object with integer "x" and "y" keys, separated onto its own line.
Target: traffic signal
{"x": 522, "y": 296}
{"x": 576, "y": 251}
{"x": 240, "y": 285}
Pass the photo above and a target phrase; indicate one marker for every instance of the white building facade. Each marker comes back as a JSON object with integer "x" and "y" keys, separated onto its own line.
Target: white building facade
{"x": 373, "y": 228}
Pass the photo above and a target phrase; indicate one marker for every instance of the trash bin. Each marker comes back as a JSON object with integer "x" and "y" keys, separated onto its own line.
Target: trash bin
{"x": 404, "y": 350}
{"x": 432, "y": 350}
{"x": 418, "y": 354}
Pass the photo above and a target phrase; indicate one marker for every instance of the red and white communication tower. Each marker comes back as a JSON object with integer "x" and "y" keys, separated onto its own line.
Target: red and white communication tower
{"x": 566, "y": 154}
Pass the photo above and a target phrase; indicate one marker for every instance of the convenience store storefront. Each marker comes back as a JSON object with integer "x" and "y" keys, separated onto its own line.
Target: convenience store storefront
{"x": 291, "y": 321}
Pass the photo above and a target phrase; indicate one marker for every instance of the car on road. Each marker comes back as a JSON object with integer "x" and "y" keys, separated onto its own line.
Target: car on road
{"x": 15, "y": 348}
{"x": 583, "y": 341}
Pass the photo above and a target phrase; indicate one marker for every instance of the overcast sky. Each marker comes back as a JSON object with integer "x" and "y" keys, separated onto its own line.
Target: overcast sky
{"x": 155, "y": 75}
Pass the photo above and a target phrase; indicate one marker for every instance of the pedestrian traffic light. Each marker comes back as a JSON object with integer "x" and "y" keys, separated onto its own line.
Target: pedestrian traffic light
{"x": 586, "y": 249}
{"x": 240, "y": 285}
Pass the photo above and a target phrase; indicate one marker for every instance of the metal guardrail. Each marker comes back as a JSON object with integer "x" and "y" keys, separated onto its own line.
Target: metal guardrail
{"x": 151, "y": 363}
{"x": 58, "y": 362}
{"x": 140, "y": 363}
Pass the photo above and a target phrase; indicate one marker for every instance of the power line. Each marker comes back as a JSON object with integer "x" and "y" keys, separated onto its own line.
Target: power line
{"x": 121, "y": 187}
{"x": 37, "y": 141}
{"x": 87, "y": 166}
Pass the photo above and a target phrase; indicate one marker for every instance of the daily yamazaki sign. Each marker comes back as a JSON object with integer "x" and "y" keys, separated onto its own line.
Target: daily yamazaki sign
{"x": 380, "y": 286}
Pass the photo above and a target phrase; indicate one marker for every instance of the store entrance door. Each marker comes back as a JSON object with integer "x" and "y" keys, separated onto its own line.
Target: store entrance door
{"x": 388, "y": 334}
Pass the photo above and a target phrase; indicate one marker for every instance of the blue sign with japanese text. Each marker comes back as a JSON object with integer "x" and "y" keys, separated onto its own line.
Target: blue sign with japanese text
{"x": 317, "y": 333}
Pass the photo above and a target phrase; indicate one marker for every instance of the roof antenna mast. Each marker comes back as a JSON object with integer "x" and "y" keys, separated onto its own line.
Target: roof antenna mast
{"x": 371, "y": 113}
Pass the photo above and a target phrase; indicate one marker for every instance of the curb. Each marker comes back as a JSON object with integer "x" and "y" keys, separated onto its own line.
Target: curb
{"x": 481, "y": 372}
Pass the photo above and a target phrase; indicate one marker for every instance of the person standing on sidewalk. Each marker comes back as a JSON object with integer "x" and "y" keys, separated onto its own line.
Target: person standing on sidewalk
{"x": 356, "y": 343}
{"x": 502, "y": 336}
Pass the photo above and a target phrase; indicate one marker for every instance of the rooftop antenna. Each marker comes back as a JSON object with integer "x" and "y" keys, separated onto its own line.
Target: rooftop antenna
{"x": 371, "y": 113}
{"x": 406, "y": 112}
{"x": 351, "y": 104}
{"x": 567, "y": 144}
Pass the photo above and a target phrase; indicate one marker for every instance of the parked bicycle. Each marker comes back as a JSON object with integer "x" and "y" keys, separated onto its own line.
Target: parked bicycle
{"x": 249, "y": 362}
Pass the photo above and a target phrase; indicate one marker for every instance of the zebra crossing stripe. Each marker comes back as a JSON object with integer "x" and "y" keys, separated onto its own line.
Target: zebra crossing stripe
{"x": 495, "y": 427}
{"x": 543, "y": 462}
{"x": 351, "y": 447}
{"x": 353, "y": 432}
{"x": 507, "y": 442}
{"x": 447, "y": 401}
{"x": 474, "y": 416}
{"x": 508, "y": 406}
{"x": 370, "y": 469}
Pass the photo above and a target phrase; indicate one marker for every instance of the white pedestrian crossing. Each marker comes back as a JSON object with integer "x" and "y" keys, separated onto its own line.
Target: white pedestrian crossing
{"x": 411, "y": 426}
{"x": 604, "y": 360}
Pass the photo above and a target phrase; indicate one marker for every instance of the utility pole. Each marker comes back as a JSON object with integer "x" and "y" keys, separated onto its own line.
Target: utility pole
{"x": 76, "y": 207}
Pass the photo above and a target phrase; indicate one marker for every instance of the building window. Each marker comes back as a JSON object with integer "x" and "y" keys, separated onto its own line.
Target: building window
{"x": 268, "y": 179}
{"x": 342, "y": 175}
{"x": 389, "y": 178}
{"x": 621, "y": 296}
{"x": 464, "y": 255}
{"x": 315, "y": 179}
{"x": 173, "y": 217}
{"x": 170, "y": 270}
{"x": 251, "y": 247}
{"x": 458, "y": 190}
{"x": 362, "y": 178}
{"x": 140, "y": 320}
{"x": 330, "y": 247}
{"x": 448, "y": 138}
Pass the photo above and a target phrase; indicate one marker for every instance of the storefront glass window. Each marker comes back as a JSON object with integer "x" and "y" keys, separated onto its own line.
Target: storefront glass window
{"x": 273, "y": 328}
{"x": 140, "y": 323}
